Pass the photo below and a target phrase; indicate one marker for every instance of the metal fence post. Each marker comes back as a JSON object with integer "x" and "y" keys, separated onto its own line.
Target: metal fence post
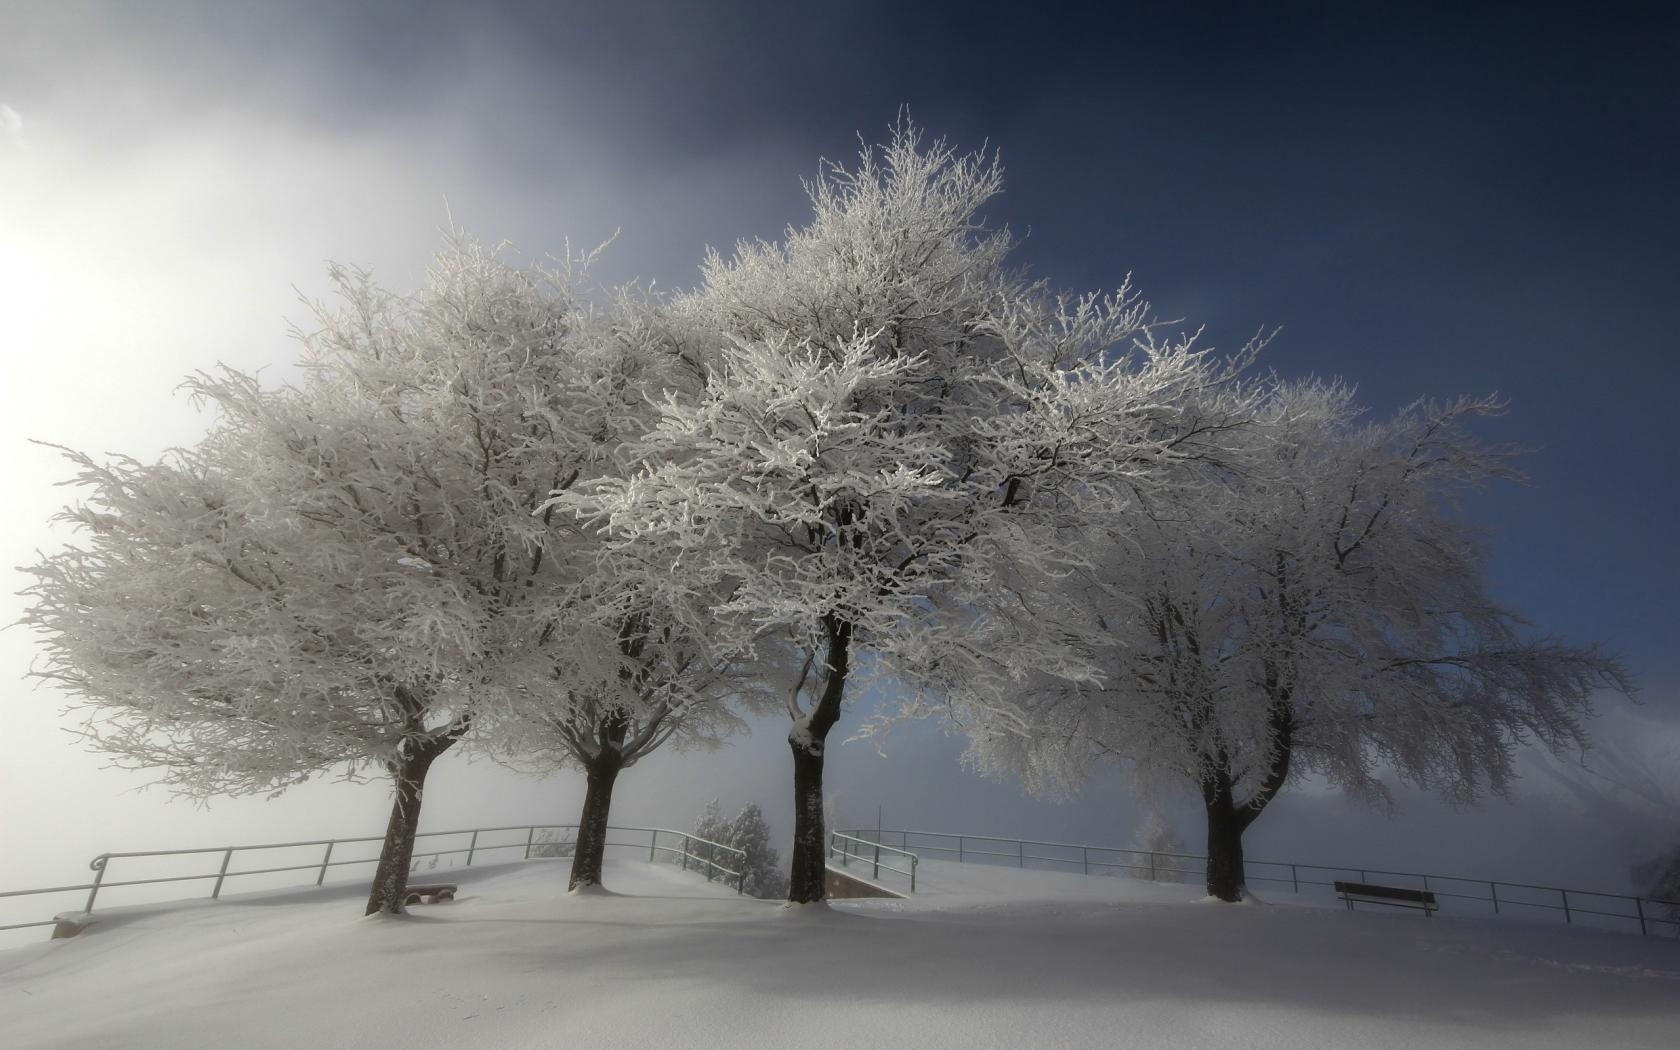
{"x": 1021, "y": 853}
{"x": 227, "y": 855}
{"x": 325, "y": 860}
{"x": 530, "y": 840}
{"x": 914, "y": 860}
{"x": 959, "y": 849}
{"x": 1639, "y": 906}
{"x": 1084, "y": 860}
{"x": 1565, "y": 895}
{"x": 472, "y": 845}
{"x": 1152, "y": 867}
{"x": 1295, "y": 877}
{"x": 876, "y": 873}
{"x": 1493, "y": 895}
{"x": 685, "y": 853}
{"x": 653, "y": 844}
{"x": 98, "y": 865}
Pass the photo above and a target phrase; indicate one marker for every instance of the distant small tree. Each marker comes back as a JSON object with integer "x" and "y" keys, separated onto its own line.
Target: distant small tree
{"x": 553, "y": 842}
{"x": 1631, "y": 778}
{"x": 1155, "y": 837}
{"x": 710, "y": 828}
{"x": 748, "y": 832}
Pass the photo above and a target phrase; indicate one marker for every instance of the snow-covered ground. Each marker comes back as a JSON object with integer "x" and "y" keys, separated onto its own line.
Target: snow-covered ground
{"x": 986, "y": 957}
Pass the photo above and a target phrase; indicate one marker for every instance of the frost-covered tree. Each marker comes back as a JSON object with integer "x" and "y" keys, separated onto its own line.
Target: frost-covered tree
{"x": 894, "y": 436}
{"x": 1630, "y": 779}
{"x": 1155, "y": 837}
{"x": 1315, "y": 607}
{"x": 659, "y": 683}
{"x": 351, "y": 571}
{"x": 236, "y": 621}
{"x": 748, "y": 832}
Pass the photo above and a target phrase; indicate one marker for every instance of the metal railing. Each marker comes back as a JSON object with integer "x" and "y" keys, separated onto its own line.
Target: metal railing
{"x": 849, "y": 848}
{"x": 1647, "y": 915}
{"x": 681, "y": 846}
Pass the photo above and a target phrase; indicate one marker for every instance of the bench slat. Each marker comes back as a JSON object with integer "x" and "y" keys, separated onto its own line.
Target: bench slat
{"x": 1362, "y": 889}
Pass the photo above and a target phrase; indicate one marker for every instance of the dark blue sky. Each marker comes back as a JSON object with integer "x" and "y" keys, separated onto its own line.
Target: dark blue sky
{"x": 1427, "y": 203}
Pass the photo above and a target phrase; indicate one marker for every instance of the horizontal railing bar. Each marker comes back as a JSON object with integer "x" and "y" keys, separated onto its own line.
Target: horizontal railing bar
{"x": 1029, "y": 842}
{"x": 418, "y": 835}
{"x": 27, "y": 925}
{"x": 166, "y": 878}
{"x": 47, "y": 889}
{"x": 266, "y": 871}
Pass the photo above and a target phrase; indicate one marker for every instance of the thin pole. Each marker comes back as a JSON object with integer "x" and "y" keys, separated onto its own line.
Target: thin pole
{"x": 1639, "y": 906}
{"x": 99, "y": 863}
{"x": 1566, "y": 915}
{"x": 471, "y": 846}
{"x": 325, "y": 860}
{"x": 530, "y": 840}
{"x": 227, "y": 855}
{"x": 1493, "y": 894}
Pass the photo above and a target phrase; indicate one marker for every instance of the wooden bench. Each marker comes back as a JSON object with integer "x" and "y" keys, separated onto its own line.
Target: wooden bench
{"x": 428, "y": 894}
{"x": 1392, "y": 895}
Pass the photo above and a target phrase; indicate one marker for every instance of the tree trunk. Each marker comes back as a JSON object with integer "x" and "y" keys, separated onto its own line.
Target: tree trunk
{"x": 390, "y": 880}
{"x": 592, "y": 825}
{"x": 1227, "y": 819}
{"x": 1226, "y": 878}
{"x": 808, "y": 739}
{"x": 810, "y": 843}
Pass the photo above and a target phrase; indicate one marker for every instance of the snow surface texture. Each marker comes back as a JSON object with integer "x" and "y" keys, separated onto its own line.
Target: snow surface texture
{"x": 989, "y": 957}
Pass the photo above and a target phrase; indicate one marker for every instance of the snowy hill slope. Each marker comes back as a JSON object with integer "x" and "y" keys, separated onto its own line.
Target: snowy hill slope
{"x": 989, "y": 958}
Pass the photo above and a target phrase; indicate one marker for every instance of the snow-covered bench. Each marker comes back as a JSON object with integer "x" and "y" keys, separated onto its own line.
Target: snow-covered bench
{"x": 428, "y": 894}
{"x": 1393, "y": 895}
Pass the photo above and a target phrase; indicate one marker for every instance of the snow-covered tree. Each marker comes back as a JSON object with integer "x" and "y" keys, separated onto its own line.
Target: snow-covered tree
{"x": 748, "y": 832}
{"x": 1630, "y": 778}
{"x": 894, "y": 435}
{"x": 1155, "y": 837}
{"x": 1315, "y": 607}
{"x": 624, "y": 658}
{"x": 252, "y": 610}
{"x": 351, "y": 571}
{"x": 658, "y": 683}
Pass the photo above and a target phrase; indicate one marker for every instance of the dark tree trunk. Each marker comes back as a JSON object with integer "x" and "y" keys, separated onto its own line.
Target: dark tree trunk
{"x": 592, "y": 825}
{"x": 810, "y": 845}
{"x": 1227, "y": 819}
{"x": 808, "y": 739}
{"x": 1225, "y": 875}
{"x": 390, "y": 880}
